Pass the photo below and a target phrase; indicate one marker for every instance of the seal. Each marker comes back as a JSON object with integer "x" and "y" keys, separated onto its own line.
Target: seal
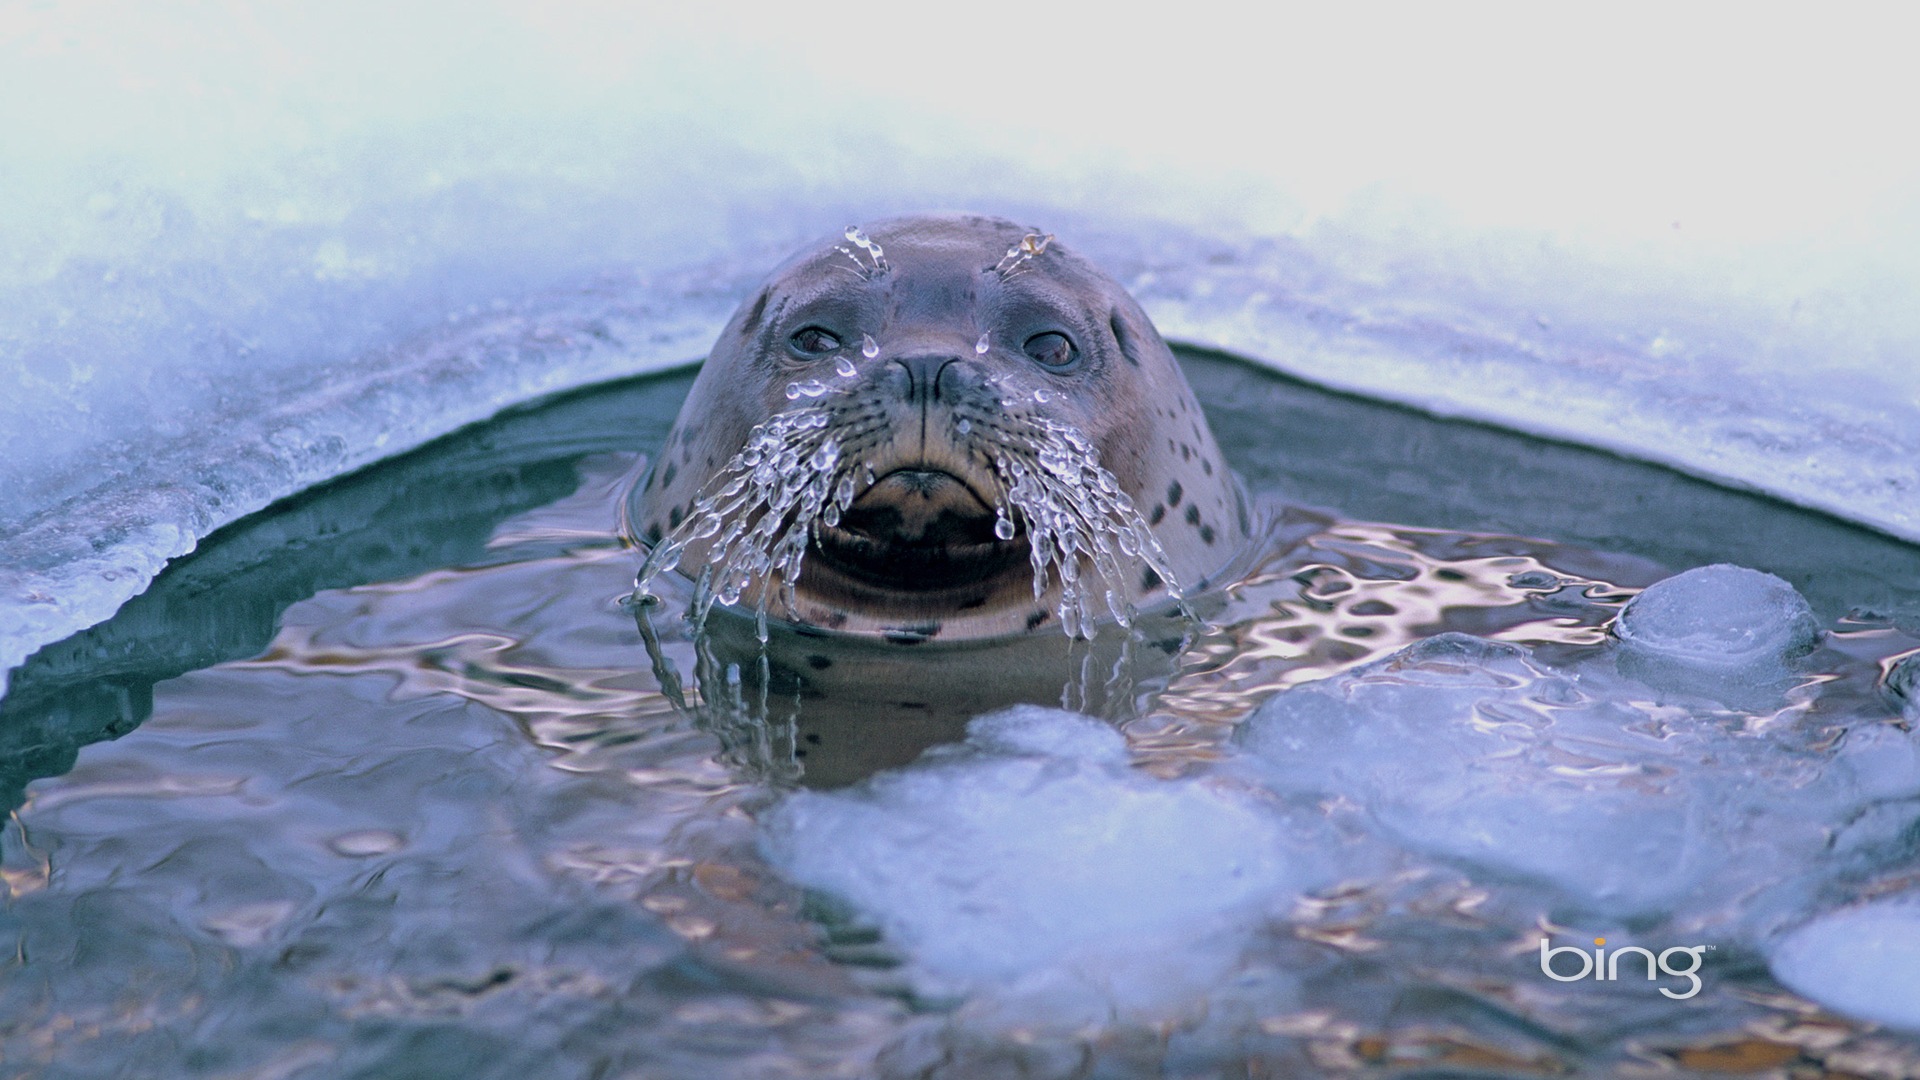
{"x": 946, "y": 427}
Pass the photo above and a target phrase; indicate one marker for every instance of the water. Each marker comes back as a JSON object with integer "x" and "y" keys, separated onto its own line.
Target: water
{"x": 386, "y": 781}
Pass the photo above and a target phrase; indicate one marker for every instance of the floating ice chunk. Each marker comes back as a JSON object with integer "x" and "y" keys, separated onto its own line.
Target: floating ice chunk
{"x": 1034, "y": 845}
{"x": 1719, "y": 617}
{"x": 1863, "y": 961}
{"x": 1474, "y": 752}
{"x": 1029, "y": 729}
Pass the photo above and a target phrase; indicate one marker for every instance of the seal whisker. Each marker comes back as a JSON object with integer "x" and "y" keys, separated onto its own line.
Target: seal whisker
{"x": 931, "y": 465}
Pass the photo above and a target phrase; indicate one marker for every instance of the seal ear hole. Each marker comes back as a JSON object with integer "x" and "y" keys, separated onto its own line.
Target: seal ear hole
{"x": 1129, "y": 345}
{"x": 753, "y": 316}
{"x": 1052, "y": 350}
{"x": 813, "y": 342}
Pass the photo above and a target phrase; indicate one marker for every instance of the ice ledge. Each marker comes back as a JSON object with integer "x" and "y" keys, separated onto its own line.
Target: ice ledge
{"x": 56, "y": 579}
{"x": 1707, "y": 412}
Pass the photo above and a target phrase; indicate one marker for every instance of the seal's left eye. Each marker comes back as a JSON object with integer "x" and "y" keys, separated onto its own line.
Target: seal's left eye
{"x": 1052, "y": 350}
{"x": 811, "y": 343}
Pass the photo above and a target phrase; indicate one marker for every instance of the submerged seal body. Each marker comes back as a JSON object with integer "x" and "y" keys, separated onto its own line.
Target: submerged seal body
{"x": 944, "y": 428}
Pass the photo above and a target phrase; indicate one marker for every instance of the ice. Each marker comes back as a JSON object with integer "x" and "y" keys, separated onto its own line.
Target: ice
{"x": 1719, "y": 617}
{"x": 1862, "y": 961}
{"x": 242, "y": 253}
{"x": 1626, "y": 800}
{"x": 957, "y": 858}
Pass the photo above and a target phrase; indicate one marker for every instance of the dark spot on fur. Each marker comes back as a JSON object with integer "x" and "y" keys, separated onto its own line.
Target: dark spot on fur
{"x": 1174, "y": 493}
{"x": 1240, "y": 508}
{"x": 1036, "y": 619}
{"x": 819, "y": 663}
{"x": 1206, "y": 466}
{"x": 675, "y": 517}
{"x": 1159, "y": 512}
{"x": 1206, "y": 533}
{"x": 836, "y": 620}
{"x": 1186, "y": 452}
{"x": 666, "y": 478}
{"x": 1149, "y": 580}
{"x": 653, "y": 533}
{"x": 1193, "y": 514}
{"x": 812, "y": 737}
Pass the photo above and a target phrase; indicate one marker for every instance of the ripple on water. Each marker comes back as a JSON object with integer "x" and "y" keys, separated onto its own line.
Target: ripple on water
{"x": 454, "y": 823}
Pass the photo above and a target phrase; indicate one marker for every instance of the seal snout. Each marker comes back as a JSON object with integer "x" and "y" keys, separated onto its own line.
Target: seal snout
{"x": 924, "y": 507}
{"x": 919, "y": 378}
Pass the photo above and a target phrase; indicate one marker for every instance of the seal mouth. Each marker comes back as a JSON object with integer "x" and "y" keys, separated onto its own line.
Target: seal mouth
{"x": 920, "y": 529}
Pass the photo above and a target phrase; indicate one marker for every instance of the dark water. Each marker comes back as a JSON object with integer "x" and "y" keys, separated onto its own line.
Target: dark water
{"x": 384, "y": 782}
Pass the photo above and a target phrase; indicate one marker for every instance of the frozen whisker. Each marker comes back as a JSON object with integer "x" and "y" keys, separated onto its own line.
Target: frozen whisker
{"x": 763, "y": 506}
{"x": 801, "y": 470}
{"x": 1030, "y": 247}
{"x": 1075, "y": 514}
{"x": 874, "y": 251}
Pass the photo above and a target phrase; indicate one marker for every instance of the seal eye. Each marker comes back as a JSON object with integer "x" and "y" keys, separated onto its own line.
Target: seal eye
{"x": 812, "y": 343}
{"x": 1052, "y": 349}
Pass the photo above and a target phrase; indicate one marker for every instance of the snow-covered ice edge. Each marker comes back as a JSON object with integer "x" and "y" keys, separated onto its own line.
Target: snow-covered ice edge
{"x": 244, "y": 250}
{"x": 1270, "y": 302}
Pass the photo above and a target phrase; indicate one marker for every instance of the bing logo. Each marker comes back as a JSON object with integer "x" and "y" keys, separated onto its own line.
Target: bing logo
{"x": 1604, "y": 966}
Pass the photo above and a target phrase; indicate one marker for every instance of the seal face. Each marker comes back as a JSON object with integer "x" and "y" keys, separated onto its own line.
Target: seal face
{"x": 951, "y": 428}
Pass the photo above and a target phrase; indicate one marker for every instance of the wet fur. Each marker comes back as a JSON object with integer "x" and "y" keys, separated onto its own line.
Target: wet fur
{"x": 941, "y": 284}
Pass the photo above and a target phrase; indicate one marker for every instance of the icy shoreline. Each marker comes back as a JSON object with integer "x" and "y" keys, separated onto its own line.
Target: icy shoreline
{"x": 242, "y": 252}
{"x": 71, "y": 564}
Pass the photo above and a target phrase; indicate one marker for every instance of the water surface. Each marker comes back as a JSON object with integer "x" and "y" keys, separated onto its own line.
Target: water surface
{"x": 385, "y": 781}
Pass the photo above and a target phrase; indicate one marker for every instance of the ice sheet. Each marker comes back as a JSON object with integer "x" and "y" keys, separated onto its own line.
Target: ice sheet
{"x": 242, "y": 251}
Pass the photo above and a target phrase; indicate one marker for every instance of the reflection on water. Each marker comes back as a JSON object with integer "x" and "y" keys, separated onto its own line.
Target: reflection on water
{"x": 395, "y": 786}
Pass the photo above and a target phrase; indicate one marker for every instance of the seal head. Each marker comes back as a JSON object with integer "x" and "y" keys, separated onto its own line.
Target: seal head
{"x": 946, "y": 427}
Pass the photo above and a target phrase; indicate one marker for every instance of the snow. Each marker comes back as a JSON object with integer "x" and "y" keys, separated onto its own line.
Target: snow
{"x": 242, "y": 250}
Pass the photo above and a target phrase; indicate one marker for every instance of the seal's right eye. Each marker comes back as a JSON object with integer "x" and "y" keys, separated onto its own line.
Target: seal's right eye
{"x": 812, "y": 343}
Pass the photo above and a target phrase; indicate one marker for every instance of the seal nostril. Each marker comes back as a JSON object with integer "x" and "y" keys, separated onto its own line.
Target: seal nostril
{"x": 924, "y": 375}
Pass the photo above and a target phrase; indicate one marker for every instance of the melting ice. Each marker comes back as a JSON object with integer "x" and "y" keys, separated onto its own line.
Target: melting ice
{"x": 959, "y": 859}
{"x": 1620, "y": 800}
